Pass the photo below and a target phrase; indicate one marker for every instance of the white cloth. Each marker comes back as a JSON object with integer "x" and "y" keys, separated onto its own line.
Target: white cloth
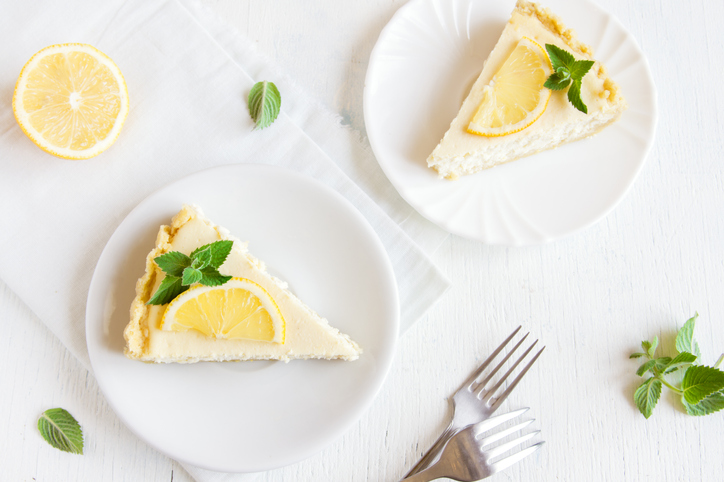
{"x": 188, "y": 76}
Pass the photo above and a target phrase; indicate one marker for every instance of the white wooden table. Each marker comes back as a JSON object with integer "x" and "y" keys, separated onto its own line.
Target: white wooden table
{"x": 642, "y": 271}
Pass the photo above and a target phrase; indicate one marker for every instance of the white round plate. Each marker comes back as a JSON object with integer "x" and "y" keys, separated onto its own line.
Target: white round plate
{"x": 420, "y": 71}
{"x": 251, "y": 416}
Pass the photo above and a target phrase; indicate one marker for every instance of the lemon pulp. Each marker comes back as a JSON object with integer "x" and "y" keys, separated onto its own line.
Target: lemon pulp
{"x": 238, "y": 309}
{"x": 71, "y": 100}
{"x": 515, "y": 97}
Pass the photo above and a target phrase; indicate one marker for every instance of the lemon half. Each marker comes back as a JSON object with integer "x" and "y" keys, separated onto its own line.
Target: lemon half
{"x": 515, "y": 97}
{"x": 238, "y": 309}
{"x": 71, "y": 100}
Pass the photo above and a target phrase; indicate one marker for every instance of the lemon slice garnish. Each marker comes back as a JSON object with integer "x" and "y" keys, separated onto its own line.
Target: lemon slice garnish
{"x": 515, "y": 97}
{"x": 71, "y": 100}
{"x": 238, "y": 309}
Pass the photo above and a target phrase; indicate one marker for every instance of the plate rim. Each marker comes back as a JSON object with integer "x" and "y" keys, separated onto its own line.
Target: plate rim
{"x": 353, "y": 415}
{"x": 376, "y": 148}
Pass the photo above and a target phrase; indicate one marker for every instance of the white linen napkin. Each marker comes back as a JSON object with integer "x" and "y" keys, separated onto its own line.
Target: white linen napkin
{"x": 188, "y": 76}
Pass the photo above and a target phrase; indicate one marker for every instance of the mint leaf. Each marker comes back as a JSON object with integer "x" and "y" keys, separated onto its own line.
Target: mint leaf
{"x": 264, "y": 103}
{"x": 636, "y": 355}
{"x": 169, "y": 289}
{"x": 61, "y": 430}
{"x": 574, "y": 96}
{"x": 212, "y": 277}
{"x": 647, "y": 395}
{"x": 662, "y": 363}
{"x": 645, "y": 367}
{"x": 557, "y": 82}
{"x": 679, "y": 361}
{"x": 685, "y": 338}
{"x": 712, "y": 403}
{"x": 202, "y": 259}
{"x": 563, "y": 72}
{"x": 218, "y": 251}
{"x": 173, "y": 263}
{"x": 191, "y": 276}
{"x": 682, "y": 358}
{"x": 646, "y": 345}
{"x": 580, "y": 68}
{"x": 654, "y": 345}
{"x": 701, "y": 381}
{"x": 559, "y": 57}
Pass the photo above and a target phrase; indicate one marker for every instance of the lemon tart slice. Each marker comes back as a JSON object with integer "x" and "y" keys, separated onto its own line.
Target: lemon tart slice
{"x": 253, "y": 316}
{"x": 508, "y": 114}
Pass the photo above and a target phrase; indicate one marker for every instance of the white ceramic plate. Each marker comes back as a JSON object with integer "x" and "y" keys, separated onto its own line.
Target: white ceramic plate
{"x": 420, "y": 71}
{"x": 251, "y": 416}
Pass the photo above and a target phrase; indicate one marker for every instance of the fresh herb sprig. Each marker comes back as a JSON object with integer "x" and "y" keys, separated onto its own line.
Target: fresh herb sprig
{"x": 202, "y": 266}
{"x": 702, "y": 387}
{"x": 61, "y": 430}
{"x": 264, "y": 103}
{"x": 567, "y": 71}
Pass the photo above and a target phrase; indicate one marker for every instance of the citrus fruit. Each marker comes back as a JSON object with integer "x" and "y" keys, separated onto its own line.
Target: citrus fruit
{"x": 71, "y": 100}
{"x": 515, "y": 98}
{"x": 240, "y": 308}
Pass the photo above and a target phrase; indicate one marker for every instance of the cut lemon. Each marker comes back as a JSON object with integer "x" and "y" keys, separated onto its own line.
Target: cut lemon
{"x": 71, "y": 100}
{"x": 515, "y": 98}
{"x": 240, "y": 308}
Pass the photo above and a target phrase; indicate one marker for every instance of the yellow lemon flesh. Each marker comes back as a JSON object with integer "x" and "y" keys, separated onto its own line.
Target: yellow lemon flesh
{"x": 240, "y": 308}
{"x": 515, "y": 98}
{"x": 71, "y": 100}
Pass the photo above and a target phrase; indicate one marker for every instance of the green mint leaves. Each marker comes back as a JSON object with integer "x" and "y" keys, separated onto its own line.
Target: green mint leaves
{"x": 702, "y": 387}
{"x": 701, "y": 382}
{"x": 647, "y": 395}
{"x": 202, "y": 266}
{"x": 567, "y": 71}
{"x": 61, "y": 430}
{"x": 685, "y": 338}
{"x": 265, "y": 102}
{"x": 170, "y": 288}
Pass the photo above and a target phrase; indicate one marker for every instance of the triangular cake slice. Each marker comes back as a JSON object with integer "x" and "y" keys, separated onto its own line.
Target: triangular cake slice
{"x": 307, "y": 334}
{"x": 460, "y": 153}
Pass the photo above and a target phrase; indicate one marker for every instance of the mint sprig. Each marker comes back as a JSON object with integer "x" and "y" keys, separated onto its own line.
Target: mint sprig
{"x": 170, "y": 288}
{"x": 264, "y": 103}
{"x": 202, "y": 266}
{"x": 61, "y": 430}
{"x": 702, "y": 387}
{"x": 567, "y": 71}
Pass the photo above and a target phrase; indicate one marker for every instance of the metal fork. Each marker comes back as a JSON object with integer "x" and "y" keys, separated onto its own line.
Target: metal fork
{"x": 473, "y": 402}
{"x": 464, "y": 458}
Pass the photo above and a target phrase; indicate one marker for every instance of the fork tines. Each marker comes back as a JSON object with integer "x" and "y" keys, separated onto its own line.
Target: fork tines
{"x": 481, "y": 387}
{"x": 489, "y": 454}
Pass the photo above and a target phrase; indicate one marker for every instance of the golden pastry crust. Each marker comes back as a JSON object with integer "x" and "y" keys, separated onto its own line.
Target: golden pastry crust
{"x": 136, "y": 333}
{"x": 553, "y": 23}
{"x": 569, "y": 36}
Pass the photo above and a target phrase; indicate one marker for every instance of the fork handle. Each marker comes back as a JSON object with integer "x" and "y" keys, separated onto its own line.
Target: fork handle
{"x": 426, "y": 475}
{"x": 432, "y": 452}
